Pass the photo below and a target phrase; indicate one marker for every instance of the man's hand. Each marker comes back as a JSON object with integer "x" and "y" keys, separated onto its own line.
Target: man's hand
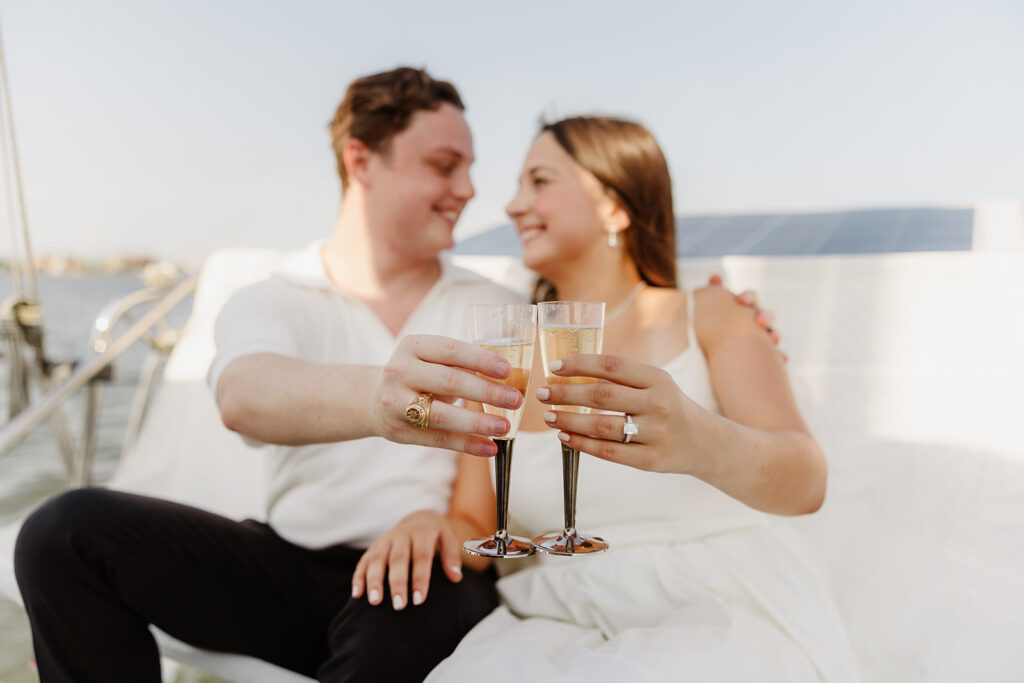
{"x": 764, "y": 319}
{"x": 412, "y": 543}
{"x": 448, "y": 370}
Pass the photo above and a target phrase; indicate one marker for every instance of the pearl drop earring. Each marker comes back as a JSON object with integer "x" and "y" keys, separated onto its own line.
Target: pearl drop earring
{"x": 613, "y": 238}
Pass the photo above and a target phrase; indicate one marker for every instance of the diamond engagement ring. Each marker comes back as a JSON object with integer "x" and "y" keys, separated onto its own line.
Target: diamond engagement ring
{"x": 630, "y": 429}
{"x": 417, "y": 413}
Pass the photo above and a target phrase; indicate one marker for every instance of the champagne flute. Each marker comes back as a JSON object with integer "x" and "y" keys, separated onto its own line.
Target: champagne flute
{"x": 509, "y": 330}
{"x": 566, "y": 329}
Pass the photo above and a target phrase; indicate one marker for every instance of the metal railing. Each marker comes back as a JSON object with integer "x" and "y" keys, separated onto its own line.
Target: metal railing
{"x": 92, "y": 373}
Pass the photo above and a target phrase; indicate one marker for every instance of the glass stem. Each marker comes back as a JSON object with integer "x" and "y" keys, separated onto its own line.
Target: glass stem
{"x": 502, "y": 469}
{"x": 570, "y": 472}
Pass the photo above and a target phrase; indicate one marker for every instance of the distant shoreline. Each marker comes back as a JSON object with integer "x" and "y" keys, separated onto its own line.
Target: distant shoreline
{"x": 69, "y": 266}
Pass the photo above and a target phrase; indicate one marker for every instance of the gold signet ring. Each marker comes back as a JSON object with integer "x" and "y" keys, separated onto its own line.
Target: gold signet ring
{"x": 417, "y": 413}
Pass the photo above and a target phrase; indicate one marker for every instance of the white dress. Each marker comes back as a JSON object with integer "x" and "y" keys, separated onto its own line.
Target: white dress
{"x": 696, "y": 586}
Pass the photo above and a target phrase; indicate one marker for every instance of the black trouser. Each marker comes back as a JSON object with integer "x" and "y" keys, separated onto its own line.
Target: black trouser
{"x": 96, "y": 567}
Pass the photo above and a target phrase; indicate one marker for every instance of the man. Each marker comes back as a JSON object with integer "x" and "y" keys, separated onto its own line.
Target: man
{"x": 338, "y": 348}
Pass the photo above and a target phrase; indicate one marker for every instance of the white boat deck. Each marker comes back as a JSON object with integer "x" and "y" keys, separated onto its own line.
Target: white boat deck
{"x": 910, "y": 372}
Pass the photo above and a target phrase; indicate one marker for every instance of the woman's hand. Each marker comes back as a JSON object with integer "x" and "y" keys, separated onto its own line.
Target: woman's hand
{"x": 448, "y": 370}
{"x": 663, "y": 414}
{"x": 414, "y": 541}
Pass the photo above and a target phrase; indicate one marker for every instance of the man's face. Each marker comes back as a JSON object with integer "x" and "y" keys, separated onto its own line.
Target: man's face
{"x": 417, "y": 188}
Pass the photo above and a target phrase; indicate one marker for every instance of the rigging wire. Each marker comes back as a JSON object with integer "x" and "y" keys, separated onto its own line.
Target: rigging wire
{"x": 26, "y": 279}
{"x": 12, "y": 219}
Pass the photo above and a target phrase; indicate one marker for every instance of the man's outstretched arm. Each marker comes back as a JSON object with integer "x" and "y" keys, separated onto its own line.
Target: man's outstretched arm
{"x": 278, "y": 399}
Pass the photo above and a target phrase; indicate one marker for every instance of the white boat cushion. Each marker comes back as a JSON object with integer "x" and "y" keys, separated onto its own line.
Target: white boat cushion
{"x": 910, "y": 372}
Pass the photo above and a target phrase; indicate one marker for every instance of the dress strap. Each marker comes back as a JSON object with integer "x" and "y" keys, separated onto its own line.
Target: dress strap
{"x": 691, "y": 331}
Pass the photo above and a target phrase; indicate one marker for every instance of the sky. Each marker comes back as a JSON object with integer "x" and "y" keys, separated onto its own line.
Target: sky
{"x": 174, "y": 128}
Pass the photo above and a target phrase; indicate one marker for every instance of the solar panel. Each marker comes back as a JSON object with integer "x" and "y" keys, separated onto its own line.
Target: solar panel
{"x": 866, "y": 231}
{"x": 726, "y": 236}
{"x": 796, "y": 234}
{"x": 938, "y": 230}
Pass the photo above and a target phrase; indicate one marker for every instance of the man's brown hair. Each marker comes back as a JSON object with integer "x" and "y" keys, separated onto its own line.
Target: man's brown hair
{"x": 378, "y": 107}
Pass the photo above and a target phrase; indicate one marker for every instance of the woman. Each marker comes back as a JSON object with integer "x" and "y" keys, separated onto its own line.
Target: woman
{"x": 698, "y": 584}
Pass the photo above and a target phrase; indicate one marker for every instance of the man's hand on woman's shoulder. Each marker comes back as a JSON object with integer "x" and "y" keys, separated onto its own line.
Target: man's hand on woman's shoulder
{"x": 765, "y": 319}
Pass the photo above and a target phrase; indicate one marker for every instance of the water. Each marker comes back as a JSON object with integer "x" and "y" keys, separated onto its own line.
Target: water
{"x": 34, "y": 471}
{"x": 35, "y": 468}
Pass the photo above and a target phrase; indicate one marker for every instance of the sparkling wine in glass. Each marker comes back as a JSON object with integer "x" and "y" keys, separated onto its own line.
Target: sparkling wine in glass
{"x": 509, "y": 330}
{"x": 568, "y": 328}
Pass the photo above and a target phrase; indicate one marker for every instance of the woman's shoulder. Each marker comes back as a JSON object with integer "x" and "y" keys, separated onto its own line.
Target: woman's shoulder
{"x": 668, "y": 301}
{"x": 717, "y": 314}
{"x": 710, "y": 300}
{"x": 665, "y": 309}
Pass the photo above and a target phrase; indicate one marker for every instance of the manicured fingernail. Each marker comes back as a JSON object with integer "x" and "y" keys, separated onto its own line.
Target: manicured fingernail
{"x": 355, "y": 591}
{"x": 563, "y": 436}
{"x": 455, "y": 569}
{"x": 502, "y": 368}
{"x": 374, "y": 596}
{"x": 550, "y": 417}
{"x": 543, "y": 393}
{"x": 555, "y": 366}
{"x": 398, "y": 602}
{"x": 512, "y": 398}
{"x": 500, "y": 428}
{"x": 417, "y": 598}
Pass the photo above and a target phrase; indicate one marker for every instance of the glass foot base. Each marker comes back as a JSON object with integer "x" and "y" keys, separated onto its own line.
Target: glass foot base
{"x": 569, "y": 544}
{"x": 510, "y": 548}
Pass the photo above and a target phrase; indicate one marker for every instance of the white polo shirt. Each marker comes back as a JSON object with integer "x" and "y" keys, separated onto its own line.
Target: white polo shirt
{"x": 349, "y": 492}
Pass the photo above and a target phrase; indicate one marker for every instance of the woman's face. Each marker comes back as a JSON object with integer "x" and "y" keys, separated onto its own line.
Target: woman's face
{"x": 561, "y": 212}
